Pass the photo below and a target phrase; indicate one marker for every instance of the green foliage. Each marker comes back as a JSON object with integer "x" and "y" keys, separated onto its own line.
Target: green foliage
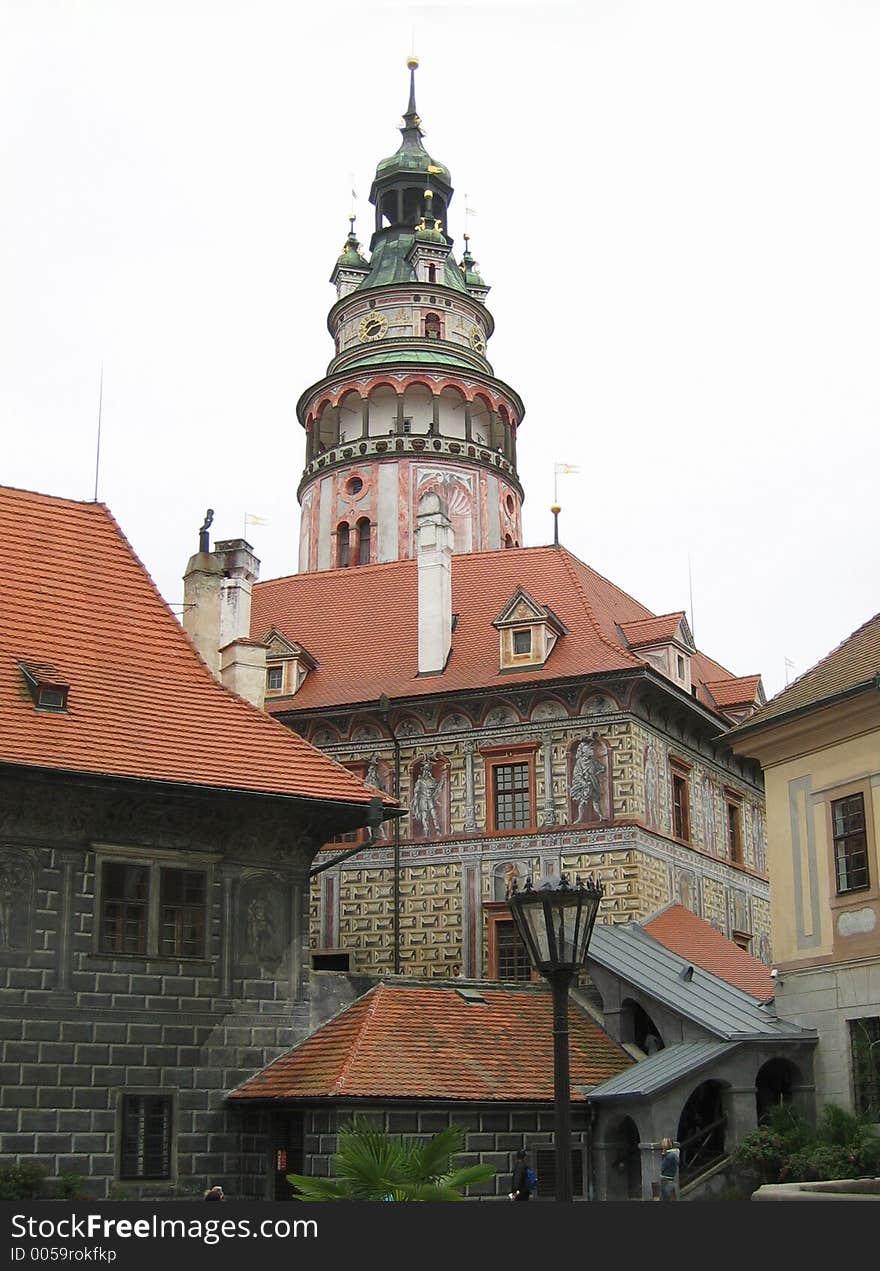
{"x": 370, "y": 1165}
{"x": 70, "y": 1187}
{"x": 21, "y": 1182}
{"x": 790, "y": 1150}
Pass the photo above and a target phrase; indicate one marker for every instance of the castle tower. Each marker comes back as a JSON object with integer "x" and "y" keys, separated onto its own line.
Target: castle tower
{"x": 410, "y": 404}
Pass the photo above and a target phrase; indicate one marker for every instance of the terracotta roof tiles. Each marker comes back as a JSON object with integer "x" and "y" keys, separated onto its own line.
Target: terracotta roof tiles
{"x": 854, "y": 664}
{"x": 142, "y": 703}
{"x": 683, "y": 932}
{"x": 401, "y": 1042}
{"x": 340, "y": 613}
{"x": 652, "y": 630}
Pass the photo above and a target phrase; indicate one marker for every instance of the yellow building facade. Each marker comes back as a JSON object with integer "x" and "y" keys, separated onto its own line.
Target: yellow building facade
{"x": 819, "y": 745}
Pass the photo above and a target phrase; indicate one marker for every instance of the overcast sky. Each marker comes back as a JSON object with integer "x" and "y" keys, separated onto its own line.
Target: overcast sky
{"x": 677, "y": 205}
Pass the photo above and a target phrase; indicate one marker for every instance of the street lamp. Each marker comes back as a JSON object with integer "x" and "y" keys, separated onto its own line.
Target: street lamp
{"x": 555, "y": 924}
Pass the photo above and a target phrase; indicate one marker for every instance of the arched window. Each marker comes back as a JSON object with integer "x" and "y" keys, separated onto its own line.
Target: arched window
{"x": 342, "y": 545}
{"x": 363, "y": 529}
{"x": 433, "y": 329}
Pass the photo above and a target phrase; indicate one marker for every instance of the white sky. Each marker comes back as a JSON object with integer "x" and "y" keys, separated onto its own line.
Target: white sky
{"x": 678, "y": 208}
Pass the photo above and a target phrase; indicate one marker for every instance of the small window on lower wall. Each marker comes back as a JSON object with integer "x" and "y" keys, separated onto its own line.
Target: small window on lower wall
{"x": 545, "y": 1168}
{"x": 145, "y": 1151}
{"x": 332, "y": 960}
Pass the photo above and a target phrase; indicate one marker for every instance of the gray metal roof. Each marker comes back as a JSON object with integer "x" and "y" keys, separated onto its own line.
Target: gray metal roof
{"x": 728, "y": 1012}
{"x": 660, "y": 1070}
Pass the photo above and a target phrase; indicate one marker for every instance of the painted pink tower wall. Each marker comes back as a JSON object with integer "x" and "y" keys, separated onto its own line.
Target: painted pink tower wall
{"x": 410, "y": 404}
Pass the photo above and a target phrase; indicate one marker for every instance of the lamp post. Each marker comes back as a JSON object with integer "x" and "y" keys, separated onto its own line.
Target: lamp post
{"x": 385, "y": 712}
{"x": 555, "y": 925}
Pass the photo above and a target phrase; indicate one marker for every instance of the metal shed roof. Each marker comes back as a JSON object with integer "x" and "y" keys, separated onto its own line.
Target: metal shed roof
{"x": 721, "y": 1008}
{"x": 660, "y": 1070}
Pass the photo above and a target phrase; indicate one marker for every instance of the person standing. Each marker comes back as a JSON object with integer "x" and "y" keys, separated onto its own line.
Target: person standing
{"x": 669, "y": 1163}
{"x": 520, "y": 1179}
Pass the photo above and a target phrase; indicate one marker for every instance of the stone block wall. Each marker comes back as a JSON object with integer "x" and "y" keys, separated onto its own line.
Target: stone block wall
{"x": 80, "y": 1029}
{"x": 493, "y": 1134}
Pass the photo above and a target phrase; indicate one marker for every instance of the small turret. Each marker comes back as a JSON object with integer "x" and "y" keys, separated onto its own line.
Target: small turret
{"x": 351, "y": 268}
{"x": 470, "y": 273}
{"x": 430, "y": 249}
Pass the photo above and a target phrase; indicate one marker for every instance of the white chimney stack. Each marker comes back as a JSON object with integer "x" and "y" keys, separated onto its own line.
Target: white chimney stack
{"x": 434, "y": 557}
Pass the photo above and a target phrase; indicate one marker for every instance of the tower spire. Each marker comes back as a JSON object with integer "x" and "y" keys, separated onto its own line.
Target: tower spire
{"x": 411, "y": 118}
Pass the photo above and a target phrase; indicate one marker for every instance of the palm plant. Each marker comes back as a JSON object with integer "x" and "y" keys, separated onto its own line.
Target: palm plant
{"x": 370, "y": 1165}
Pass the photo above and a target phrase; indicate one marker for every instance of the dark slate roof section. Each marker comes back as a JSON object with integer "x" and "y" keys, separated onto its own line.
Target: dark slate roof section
{"x": 719, "y": 1007}
{"x": 660, "y": 1071}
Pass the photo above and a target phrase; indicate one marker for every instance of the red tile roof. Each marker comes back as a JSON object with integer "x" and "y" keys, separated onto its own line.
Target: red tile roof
{"x": 742, "y": 691}
{"x": 652, "y": 630}
{"x": 342, "y": 613}
{"x": 142, "y": 703}
{"x": 684, "y": 933}
{"x": 401, "y": 1042}
{"x": 854, "y": 664}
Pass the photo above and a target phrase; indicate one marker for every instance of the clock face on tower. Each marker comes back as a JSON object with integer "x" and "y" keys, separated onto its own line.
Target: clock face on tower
{"x": 373, "y": 327}
{"x": 478, "y": 344}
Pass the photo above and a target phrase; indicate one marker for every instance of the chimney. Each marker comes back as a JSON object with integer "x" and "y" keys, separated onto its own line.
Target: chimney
{"x": 243, "y": 670}
{"x": 241, "y": 569}
{"x": 434, "y": 556}
{"x": 201, "y": 605}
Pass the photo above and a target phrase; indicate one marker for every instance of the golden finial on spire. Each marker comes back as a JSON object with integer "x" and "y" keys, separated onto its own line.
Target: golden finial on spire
{"x": 412, "y": 61}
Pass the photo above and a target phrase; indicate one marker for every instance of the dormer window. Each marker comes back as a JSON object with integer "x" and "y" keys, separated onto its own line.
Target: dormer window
{"x": 527, "y": 632}
{"x": 46, "y": 686}
{"x": 665, "y": 643}
{"x": 288, "y": 664}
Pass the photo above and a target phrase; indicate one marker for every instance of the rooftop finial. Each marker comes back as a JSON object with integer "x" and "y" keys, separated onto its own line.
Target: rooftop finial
{"x": 411, "y": 118}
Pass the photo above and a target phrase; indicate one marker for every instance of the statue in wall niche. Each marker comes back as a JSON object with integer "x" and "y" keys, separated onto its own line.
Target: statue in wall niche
{"x": 709, "y": 832}
{"x": 508, "y": 877}
{"x": 16, "y": 877}
{"x": 652, "y": 786}
{"x": 588, "y": 788}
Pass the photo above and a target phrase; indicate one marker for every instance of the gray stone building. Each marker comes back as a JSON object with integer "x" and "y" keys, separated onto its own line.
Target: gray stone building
{"x": 156, "y": 837}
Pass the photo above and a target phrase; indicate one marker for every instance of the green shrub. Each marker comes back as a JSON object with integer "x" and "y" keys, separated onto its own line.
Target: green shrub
{"x": 21, "y": 1182}
{"x": 790, "y": 1150}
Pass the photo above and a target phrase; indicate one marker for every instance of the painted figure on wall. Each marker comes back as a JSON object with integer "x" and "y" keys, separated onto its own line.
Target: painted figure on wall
{"x": 378, "y": 775}
{"x": 15, "y": 901}
{"x": 589, "y": 785}
{"x": 687, "y": 891}
{"x": 652, "y": 787}
{"x": 429, "y": 804}
{"x": 759, "y": 854}
{"x": 262, "y": 922}
{"x": 710, "y": 838}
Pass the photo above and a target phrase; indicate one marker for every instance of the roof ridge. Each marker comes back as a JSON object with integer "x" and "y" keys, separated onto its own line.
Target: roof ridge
{"x": 356, "y": 1045}
{"x": 828, "y": 656}
{"x": 53, "y": 498}
{"x": 578, "y": 585}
